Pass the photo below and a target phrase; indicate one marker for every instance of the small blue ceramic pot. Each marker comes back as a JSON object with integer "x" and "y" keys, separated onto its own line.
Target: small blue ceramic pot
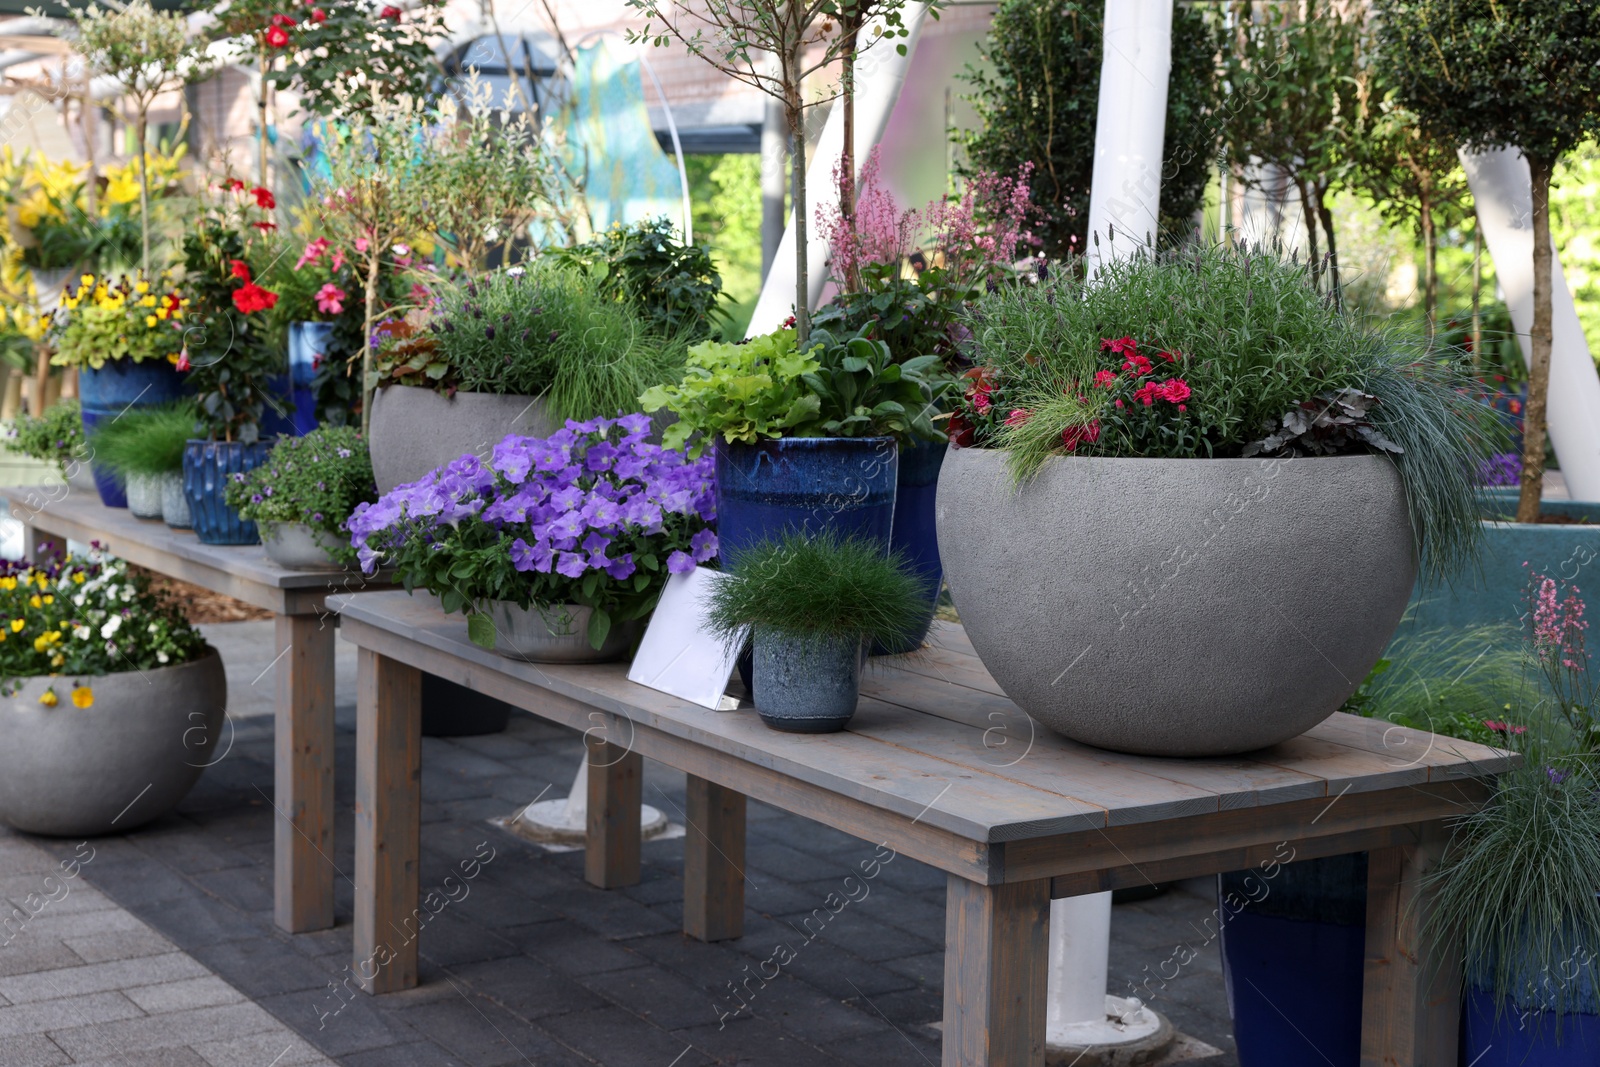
{"x": 806, "y": 685}
{"x": 208, "y": 468}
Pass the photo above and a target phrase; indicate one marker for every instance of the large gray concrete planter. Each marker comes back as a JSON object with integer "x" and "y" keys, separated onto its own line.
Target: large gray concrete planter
{"x": 127, "y": 759}
{"x": 1177, "y": 607}
{"x": 417, "y": 430}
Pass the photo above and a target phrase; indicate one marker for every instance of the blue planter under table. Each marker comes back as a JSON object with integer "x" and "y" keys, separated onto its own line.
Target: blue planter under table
{"x": 208, "y": 468}
{"x": 113, "y": 389}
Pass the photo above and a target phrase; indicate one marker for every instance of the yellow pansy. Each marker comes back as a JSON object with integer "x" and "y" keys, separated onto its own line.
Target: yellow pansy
{"x": 49, "y": 699}
{"x": 49, "y": 599}
{"x": 17, "y": 625}
{"x": 82, "y": 697}
{"x": 57, "y": 660}
{"x": 77, "y": 576}
{"x": 35, "y": 602}
{"x": 150, "y": 321}
{"x": 8, "y": 583}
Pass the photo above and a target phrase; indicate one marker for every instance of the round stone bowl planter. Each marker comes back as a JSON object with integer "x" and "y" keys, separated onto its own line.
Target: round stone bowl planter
{"x": 174, "y": 505}
{"x": 144, "y": 495}
{"x": 297, "y": 546}
{"x": 806, "y": 685}
{"x": 1175, "y": 607}
{"x": 128, "y": 758}
{"x": 558, "y": 634}
{"x": 416, "y": 430}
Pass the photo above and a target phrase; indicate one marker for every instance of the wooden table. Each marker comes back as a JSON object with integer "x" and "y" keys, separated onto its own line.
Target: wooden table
{"x": 939, "y": 766}
{"x": 304, "y": 736}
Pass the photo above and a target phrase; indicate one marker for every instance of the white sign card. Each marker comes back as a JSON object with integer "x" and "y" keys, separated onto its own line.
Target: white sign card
{"x": 679, "y": 655}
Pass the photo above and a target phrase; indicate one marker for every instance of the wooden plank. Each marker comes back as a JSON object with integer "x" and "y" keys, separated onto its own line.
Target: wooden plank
{"x": 303, "y": 761}
{"x": 996, "y": 951}
{"x": 1411, "y": 995}
{"x": 616, "y": 777}
{"x": 713, "y": 862}
{"x": 1443, "y": 757}
{"x": 388, "y": 822}
{"x": 1208, "y": 836}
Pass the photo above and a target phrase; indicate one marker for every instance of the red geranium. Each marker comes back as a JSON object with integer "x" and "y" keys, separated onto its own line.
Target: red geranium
{"x": 265, "y": 227}
{"x": 277, "y": 37}
{"x": 390, "y": 12}
{"x": 264, "y": 198}
{"x": 250, "y": 298}
{"x": 283, "y": 20}
{"x": 318, "y": 15}
{"x": 233, "y": 185}
{"x": 239, "y": 269}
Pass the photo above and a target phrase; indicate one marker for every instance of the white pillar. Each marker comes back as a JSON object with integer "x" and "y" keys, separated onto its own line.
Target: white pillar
{"x": 1131, "y": 123}
{"x": 1503, "y": 192}
{"x": 880, "y": 73}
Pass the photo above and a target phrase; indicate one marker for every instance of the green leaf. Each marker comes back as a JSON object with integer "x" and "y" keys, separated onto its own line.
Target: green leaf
{"x": 599, "y": 627}
{"x": 481, "y": 629}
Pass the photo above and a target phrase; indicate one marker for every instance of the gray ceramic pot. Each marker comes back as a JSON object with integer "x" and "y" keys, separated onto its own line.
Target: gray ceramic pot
{"x": 128, "y": 758}
{"x": 417, "y": 430}
{"x": 297, "y": 546}
{"x": 144, "y": 496}
{"x": 80, "y": 477}
{"x": 806, "y": 685}
{"x": 1177, "y": 607}
{"x": 556, "y": 635}
{"x": 174, "y": 505}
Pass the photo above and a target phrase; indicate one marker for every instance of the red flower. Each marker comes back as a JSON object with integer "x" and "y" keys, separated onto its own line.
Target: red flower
{"x": 788, "y": 323}
{"x": 1018, "y": 416}
{"x": 1073, "y": 436}
{"x": 961, "y": 434}
{"x": 1122, "y": 346}
{"x": 250, "y": 298}
{"x": 1176, "y": 391}
{"x": 1147, "y": 394}
{"x": 1138, "y": 364}
{"x": 263, "y": 198}
{"x": 283, "y": 20}
{"x": 277, "y": 37}
{"x": 233, "y": 185}
{"x": 318, "y": 15}
{"x": 390, "y": 12}
{"x": 1171, "y": 357}
{"x": 239, "y": 269}
{"x": 981, "y": 402}
{"x": 265, "y": 227}
{"x": 1504, "y": 727}
{"x": 1105, "y": 378}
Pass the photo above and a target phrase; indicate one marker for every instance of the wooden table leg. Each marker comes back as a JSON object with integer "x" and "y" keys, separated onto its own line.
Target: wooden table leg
{"x": 713, "y": 862}
{"x": 39, "y": 547}
{"x": 388, "y": 821}
{"x": 996, "y": 955}
{"x": 615, "y": 779}
{"x": 302, "y": 886}
{"x": 1411, "y": 1000}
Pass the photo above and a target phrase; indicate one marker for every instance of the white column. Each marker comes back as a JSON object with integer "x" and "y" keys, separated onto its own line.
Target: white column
{"x": 880, "y": 74}
{"x": 1503, "y": 192}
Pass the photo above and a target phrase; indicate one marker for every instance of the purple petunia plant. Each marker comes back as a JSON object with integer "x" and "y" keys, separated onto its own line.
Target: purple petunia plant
{"x": 593, "y": 515}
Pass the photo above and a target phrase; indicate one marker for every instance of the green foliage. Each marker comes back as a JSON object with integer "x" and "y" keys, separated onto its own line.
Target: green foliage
{"x": 543, "y": 329}
{"x": 725, "y": 192}
{"x": 55, "y": 437}
{"x": 1038, "y": 102}
{"x": 817, "y": 584}
{"x": 145, "y": 440}
{"x": 316, "y": 480}
{"x": 1252, "y": 339}
{"x": 1449, "y": 681}
{"x": 349, "y": 58}
{"x": 764, "y": 388}
{"x": 675, "y": 286}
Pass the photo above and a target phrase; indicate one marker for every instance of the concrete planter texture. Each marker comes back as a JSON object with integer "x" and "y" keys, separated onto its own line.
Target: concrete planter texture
{"x": 298, "y": 547}
{"x": 417, "y": 430}
{"x": 1177, "y": 607}
{"x": 129, "y": 757}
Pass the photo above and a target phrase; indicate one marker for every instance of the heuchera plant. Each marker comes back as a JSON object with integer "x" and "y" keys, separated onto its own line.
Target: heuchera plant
{"x": 593, "y": 515}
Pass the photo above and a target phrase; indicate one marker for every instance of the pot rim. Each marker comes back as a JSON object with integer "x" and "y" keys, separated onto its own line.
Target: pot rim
{"x": 820, "y": 440}
{"x": 459, "y": 392}
{"x": 1217, "y": 460}
{"x": 209, "y": 653}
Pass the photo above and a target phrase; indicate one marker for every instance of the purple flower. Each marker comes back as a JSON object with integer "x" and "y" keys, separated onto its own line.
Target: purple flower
{"x": 680, "y": 563}
{"x": 621, "y": 567}
{"x": 572, "y": 565}
{"x": 704, "y": 544}
{"x": 1557, "y": 777}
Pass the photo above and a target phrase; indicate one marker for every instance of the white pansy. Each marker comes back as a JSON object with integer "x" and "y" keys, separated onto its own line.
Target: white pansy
{"x": 82, "y": 633}
{"x": 112, "y": 625}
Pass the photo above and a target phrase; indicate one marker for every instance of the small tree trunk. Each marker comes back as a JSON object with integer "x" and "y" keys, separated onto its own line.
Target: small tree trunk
{"x": 847, "y": 157}
{"x": 1540, "y": 338}
{"x": 1477, "y": 297}
{"x": 144, "y": 190}
{"x": 1430, "y": 267}
{"x": 1320, "y": 193}
{"x": 366, "y": 341}
{"x": 1311, "y": 231}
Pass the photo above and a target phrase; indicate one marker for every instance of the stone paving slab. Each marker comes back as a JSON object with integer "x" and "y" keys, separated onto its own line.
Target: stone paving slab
{"x": 84, "y": 981}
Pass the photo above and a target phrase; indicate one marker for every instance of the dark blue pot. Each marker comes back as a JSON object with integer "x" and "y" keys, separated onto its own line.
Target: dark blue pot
{"x": 307, "y": 342}
{"x": 115, "y": 388}
{"x": 1292, "y": 958}
{"x": 914, "y": 534}
{"x": 1516, "y": 1039}
{"x": 846, "y": 484}
{"x": 208, "y": 467}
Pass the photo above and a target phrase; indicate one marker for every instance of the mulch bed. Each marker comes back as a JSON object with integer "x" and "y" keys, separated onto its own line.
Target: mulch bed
{"x": 202, "y": 605}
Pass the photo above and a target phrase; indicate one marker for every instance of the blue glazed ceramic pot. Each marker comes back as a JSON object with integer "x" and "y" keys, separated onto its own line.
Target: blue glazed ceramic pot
{"x": 208, "y": 467}
{"x": 846, "y": 484}
{"x": 914, "y": 531}
{"x": 116, "y": 387}
{"x": 308, "y": 341}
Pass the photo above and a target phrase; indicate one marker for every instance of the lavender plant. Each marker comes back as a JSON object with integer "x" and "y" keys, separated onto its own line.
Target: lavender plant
{"x": 593, "y": 515}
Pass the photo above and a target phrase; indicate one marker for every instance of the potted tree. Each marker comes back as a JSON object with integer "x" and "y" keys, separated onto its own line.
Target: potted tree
{"x": 125, "y": 338}
{"x": 556, "y": 548}
{"x": 145, "y": 449}
{"x": 303, "y": 494}
{"x": 520, "y": 350}
{"x": 811, "y": 605}
{"x": 110, "y": 703}
{"x": 1174, "y": 456}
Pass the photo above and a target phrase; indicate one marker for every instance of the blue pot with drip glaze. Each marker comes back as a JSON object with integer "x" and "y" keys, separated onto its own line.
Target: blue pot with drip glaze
{"x": 915, "y": 535}
{"x": 208, "y": 469}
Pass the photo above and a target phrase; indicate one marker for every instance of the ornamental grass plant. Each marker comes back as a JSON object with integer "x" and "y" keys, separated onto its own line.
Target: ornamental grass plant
{"x": 806, "y": 585}
{"x": 1219, "y": 351}
{"x": 145, "y": 441}
{"x": 544, "y": 329}
{"x": 84, "y": 617}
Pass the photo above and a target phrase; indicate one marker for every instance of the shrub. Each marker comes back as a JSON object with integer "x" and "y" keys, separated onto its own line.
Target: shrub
{"x": 55, "y": 437}
{"x": 675, "y": 286}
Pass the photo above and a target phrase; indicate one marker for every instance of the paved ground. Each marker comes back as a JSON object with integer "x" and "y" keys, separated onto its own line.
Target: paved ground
{"x": 532, "y": 965}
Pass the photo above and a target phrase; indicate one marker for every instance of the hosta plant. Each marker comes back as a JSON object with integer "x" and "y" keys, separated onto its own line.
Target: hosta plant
{"x": 593, "y": 515}
{"x": 85, "y": 617}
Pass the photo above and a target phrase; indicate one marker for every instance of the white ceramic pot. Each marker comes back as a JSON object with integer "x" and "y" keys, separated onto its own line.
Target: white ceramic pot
{"x": 144, "y": 496}
{"x": 128, "y": 758}
{"x": 174, "y": 505}
{"x": 1177, "y": 607}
